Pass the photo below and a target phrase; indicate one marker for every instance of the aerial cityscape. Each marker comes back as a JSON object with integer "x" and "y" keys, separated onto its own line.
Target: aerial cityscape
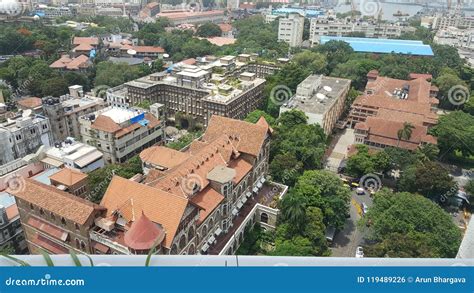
{"x": 322, "y": 128}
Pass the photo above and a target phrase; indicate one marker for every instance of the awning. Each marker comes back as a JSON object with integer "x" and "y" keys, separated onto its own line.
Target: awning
{"x": 211, "y": 240}
{"x": 239, "y": 205}
{"x": 100, "y": 247}
{"x": 235, "y": 212}
{"x": 47, "y": 228}
{"x": 218, "y": 232}
{"x": 259, "y": 185}
{"x": 248, "y": 194}
{"x": 52, "y": 162}
{"x": 89, "y": 158}
{"x": 244, "y": 200}
{"x": 262, "y": 180}
{"x": 255, "y": 189}
{"x": 205, "y": 247}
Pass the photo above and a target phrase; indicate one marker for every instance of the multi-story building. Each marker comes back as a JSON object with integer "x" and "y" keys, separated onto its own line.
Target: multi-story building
{"x": 387, "y": 104}
{"x": 194, "y": 93}
{"x": 198, "y": 201}
{"x": 64, "y": 112}
{"x": 12, "y": 238}
{"x": 290, "y": 29}
{"x": 321, "y": 98}
{"x": 120, "y": 133}
{"x": 23, "y": 135}
{"x": 459, "y": 38}
{"x": 70, "y": 180}
{"x": 73, "y": 154}
{"x": 444, "y": 21}
{"x": 53, "y": 220}
{"x": 327, "y": 27}
{"x": 193, "y": 17}
{"x": 192, "y": 202}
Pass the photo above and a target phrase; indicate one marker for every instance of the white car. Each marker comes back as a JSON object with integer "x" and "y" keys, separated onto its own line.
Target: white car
{"x": 360, "y": 191}
{"x": 359, "y": 252}
{"x": 365, "y": 208}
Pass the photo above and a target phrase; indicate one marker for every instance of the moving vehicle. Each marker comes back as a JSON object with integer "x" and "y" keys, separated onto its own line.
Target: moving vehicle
{"x": 359, "y": 252}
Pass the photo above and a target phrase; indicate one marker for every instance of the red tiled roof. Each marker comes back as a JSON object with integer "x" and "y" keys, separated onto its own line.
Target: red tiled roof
{"x": 49, "y": 244}
{"x": 420, "y": 75}
{"x": 61, "y": 62}
{"x": 163, "y": 156}
{"x": 225, "y": 27}
{"x": 68, "y": 177}
{"x": 12, "y": 212}
{"x": 81, "y": 61}
{"x": 143, "y": 234}
{"x": 30, "y": 103}
{"x": 208, "y": 200}
{"x": 241, "y": 167}
{"x": 85, "y": 40}
{"x": 47, "y": 228}
{"x": 221, "y": 41}
{"x": 186, "y": 15}
{"x": 83, "y": 47}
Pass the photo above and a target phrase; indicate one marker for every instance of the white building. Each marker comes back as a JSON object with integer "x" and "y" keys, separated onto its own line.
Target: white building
{"x": 120, "y": 133}
{"x": 321, "y": 98}
{"x": 23, "y": 135}
{"x": 325, "y": 27}
{"x": 443, "y": 21}
{"x": 290, "y": 29}
{"x": 452, "y": 36}
{"x": 75, "y": 155}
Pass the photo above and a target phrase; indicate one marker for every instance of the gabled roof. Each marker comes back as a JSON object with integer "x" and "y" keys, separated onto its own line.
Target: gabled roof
{"x": 105, "y": 123}
{"x": 68, "y": 177}
{"x": 246, "y": 137}
{"x": 30, "y": 103}
{"x": 61, "y": 203}
{"x": 163, "y": 156}
{"x": 143, "y": 234}
{"x": 208, "y": 200}
{"x": 85, "y": 40}
{"x": 133, "y": 198}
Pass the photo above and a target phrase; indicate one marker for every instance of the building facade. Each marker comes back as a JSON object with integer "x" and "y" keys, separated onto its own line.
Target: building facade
{"x": 12, "y": 238}
{"x": 66, "y": 110}
{"x": 321, "y": 98}
{"x": 290, "y": 29}
{"x": 120, "y": 133}
{"x": 23, "y": 135}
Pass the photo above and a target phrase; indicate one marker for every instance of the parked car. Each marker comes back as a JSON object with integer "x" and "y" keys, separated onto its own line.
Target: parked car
{"x": 359, "y": 252}
{"x": 360, "y": 191}
{"x": 365, "y": 208}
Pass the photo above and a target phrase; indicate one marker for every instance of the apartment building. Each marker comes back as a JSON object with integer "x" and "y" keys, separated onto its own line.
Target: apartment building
{"x": 290, "y": 29}
{"x": 11, "y": 233}
{"x": 194, "y": 92}
{"x": 23, "y": 135}
{"x": 387, "y": 104}
{"x": 443, "y": 21}
{"x": 321, "y": 98}
{"x": 74, "y": 155}
{"x": 452, "y": 36}
{"x": 343, "y": 28}
{"x": 120, "y": 133}
{"x": 64, "y": 112}
{"x": 193, "y": 17}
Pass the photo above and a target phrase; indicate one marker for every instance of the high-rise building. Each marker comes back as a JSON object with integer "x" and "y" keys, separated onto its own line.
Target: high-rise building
{"x": 290, "y": 29}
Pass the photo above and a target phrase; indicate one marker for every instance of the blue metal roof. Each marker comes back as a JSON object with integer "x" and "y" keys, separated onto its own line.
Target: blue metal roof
{"x": 43, "y": 177}
{"x": 6, "y": 199}
{"x": 303, "y": 11}
{"x": 374, "y": 45}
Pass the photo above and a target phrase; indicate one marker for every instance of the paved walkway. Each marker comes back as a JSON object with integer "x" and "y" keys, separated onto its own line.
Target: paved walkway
{"x": 339, "y": 150}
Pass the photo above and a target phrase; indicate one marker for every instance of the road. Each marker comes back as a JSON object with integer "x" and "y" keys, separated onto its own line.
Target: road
{"x": 346, "y": 241}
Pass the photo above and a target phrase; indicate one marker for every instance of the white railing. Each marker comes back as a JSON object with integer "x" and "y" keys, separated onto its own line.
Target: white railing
{"x": 108, "y": 242}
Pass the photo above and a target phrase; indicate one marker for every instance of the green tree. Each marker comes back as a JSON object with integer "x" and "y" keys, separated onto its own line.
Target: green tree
{"x": 455, "y": 133}
{"x": 315, "y": 62}
{"x": 360, "y": 163}
{"x": 254, "y": 116}
{"x": 208, "y": 29}
{"x": 422, "y": 228}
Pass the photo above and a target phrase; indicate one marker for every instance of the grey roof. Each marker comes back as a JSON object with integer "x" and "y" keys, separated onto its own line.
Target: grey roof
{"x": 128, "y": 60}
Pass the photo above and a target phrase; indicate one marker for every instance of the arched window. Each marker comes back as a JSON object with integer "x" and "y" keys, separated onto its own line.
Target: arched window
{"x": 211, "y": 223}
{"x": 182, "y": 242}
{"x": 63, "y": 221}
{"x": 41, "y": 211}
{"x": 53, "y": 217}
{"x": 76, "y": 226}
{"x": 204, "y": 231}
{"x": 32, "y": 207}
{"x": 83, "y": 246}
{"x": 190, "y": 233}
{"x": 174, "y": 249}
{"x": 192, "y": 249}
{"x": 77, "y": 244}
{"x": 264, "y": 218}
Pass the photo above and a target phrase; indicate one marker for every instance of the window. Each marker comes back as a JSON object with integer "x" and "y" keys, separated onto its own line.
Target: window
{"x": 76, "y": 226}
{"x": 53, "y": 217}
{"x": 63, "y": 221}
{"x": 182, "y": 242}
{"x": 41, "y": 211}
{"x": 190, "y": 233}
{"x": 83, "y": 246}
{"x": 264, "y": 218}
{"x": 32, "y": 207}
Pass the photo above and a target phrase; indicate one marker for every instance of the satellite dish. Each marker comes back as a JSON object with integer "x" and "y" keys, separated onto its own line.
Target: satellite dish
{"x": 27, "y": 113}
{"x": 131, "y": 52}
{"x": 327, "y": 88}
{"x": 166, "y": 55}
{"x": 320, "y": 96}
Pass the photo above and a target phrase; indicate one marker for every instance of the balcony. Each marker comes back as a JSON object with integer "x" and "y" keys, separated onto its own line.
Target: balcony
{"x": 109, "y": 239}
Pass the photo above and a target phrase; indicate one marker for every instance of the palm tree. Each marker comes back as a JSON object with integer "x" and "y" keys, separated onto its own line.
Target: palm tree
{"x": 293, "y": 211}
{"x": 405, "y": 132}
